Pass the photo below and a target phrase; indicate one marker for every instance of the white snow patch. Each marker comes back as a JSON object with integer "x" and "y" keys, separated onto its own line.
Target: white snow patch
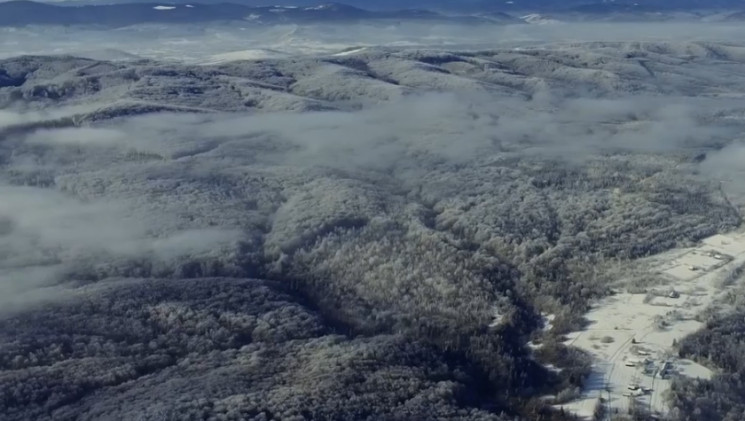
{"x": 350, "y": 52}
{"x": 255, "y": 54}
{"x": 537, "y": 19}
{"x": 631, "y": 335}
{"x": 548, "y": 320}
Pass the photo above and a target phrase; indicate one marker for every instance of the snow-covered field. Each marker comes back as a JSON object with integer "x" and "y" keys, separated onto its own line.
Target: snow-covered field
{"x": 631, "y": 334}
{"x": 251, "y": 54}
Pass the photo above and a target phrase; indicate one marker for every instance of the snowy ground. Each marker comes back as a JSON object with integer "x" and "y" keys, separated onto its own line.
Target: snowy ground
{"x": 251, "y": 54}
{"x": 631, "y": 335}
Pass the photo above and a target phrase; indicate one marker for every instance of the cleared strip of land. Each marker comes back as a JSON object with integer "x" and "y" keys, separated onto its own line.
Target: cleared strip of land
{"x": 631, "y": 335}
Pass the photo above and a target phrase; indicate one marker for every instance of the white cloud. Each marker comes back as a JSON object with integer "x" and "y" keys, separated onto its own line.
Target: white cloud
{"x": 82, "y": 136}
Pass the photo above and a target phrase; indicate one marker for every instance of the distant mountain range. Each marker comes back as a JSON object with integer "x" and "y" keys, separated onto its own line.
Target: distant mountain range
{"x": 21, "y": 13}
{"x": 472, "y": 6}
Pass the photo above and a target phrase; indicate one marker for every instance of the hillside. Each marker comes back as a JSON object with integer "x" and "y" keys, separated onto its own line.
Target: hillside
{"x": 375, "y": 235}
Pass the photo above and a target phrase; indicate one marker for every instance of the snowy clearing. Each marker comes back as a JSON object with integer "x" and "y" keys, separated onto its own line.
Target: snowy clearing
{"x": 631, "y": 335}
{"x": 252, "y": 54}
{"x": 350, "y": 52}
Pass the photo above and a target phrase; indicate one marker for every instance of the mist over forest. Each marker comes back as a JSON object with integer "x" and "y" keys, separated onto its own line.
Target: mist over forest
{"x": 350, "y": 221}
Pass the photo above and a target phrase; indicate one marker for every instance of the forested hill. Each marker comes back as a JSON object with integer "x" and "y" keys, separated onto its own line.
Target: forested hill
{"x": 370, "y": 236}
